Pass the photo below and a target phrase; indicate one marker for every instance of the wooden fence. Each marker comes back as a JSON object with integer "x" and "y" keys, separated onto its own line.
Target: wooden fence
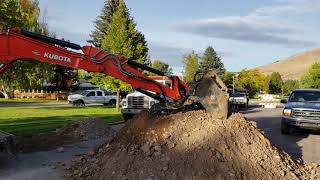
{"x": 41, "y": 94}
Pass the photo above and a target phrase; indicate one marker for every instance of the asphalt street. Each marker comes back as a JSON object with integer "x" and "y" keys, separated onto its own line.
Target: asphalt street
{"x": 302, "y": 144}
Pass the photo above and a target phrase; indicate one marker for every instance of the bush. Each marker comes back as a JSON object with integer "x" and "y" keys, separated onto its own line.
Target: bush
{"x": 312, "y": 78}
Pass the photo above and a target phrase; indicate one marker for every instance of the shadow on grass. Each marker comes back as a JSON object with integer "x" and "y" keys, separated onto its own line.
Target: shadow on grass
{"x": 35, "y": 125}
{"x": 75, "y": 107}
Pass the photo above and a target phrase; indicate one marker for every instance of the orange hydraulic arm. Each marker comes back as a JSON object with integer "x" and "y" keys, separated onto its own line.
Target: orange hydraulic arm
{"x": 18, "y": 44}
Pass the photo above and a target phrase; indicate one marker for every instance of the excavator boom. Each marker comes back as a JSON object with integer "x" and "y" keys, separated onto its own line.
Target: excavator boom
{"x": 18, "y": 44}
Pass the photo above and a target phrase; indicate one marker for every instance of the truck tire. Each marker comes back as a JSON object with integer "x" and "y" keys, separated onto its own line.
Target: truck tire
{"x": 285, "y": 128}
{"x": 112, "y": 102}
{"x": 79, "y": 103}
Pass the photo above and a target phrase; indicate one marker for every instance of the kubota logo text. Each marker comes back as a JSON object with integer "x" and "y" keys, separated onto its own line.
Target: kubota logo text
{"x": 57, "y": 57}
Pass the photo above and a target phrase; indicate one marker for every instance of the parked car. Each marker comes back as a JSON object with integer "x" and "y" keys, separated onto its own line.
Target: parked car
{"x": 239, "y": 99}
{"x": 96, "y": 96}
{"x": 302, "y": 110}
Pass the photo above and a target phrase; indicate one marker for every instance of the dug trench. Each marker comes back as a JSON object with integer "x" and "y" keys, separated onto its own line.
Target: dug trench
{"x": 83, "y": 130}
{"x": 47, "y": 156}
{"x": 191, "y": 145}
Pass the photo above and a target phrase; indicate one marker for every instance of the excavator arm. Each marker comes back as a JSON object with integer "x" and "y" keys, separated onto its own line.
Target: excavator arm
{"x": 17, "y": 44}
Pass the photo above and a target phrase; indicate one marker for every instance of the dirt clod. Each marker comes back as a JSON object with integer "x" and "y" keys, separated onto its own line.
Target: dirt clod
{"x": 191, "y": 145}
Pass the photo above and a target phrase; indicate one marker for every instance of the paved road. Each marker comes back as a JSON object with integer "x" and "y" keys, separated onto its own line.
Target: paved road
{"x": 38, "y": 165}
{"x": 302, "y": 144}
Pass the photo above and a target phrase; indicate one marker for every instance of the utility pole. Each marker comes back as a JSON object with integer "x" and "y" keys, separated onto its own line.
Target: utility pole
{"x": 233, "y": 83}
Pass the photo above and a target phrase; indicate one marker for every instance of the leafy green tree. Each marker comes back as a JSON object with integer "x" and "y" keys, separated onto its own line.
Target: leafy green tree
{"x": 312, "y": 78}
{"x": 24, "y": 74}
{"x": 191, "y": 66}
{"x": 110, "y": 83}
{"x": 251, "y": 80}
{"x": 275, "y": 83}
{"x": 289, "y": 85}
{"x": 82, "y": 76}
{"x": 227, "y": 78}
{"x": 19, "y": 13}
{"x": 211, "y": 60}
{"x": 164, "y": 67}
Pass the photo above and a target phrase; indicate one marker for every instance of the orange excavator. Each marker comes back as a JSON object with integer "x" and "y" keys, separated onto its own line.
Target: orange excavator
{"x": 208, "y": 92}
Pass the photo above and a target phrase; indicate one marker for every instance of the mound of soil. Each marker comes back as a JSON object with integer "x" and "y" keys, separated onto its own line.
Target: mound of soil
{"x": 88, "y": 128}
{"x": 192, "y": 145}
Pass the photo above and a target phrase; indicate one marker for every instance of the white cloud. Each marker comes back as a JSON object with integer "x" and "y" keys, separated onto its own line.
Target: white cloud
{"x": 251, "y": 28}
{"x": 167, "y": 53}
{"x": 292, "y": 6}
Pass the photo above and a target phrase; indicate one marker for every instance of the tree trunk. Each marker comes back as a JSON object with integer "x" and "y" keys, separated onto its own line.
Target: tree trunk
{"x": 118, "y": 101}
{"x": 57, "y": 96}
{"x": 7, "y": 94}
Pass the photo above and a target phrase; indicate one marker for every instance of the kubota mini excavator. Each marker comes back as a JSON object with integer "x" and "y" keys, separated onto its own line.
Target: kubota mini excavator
{"x": 209, "y": 92}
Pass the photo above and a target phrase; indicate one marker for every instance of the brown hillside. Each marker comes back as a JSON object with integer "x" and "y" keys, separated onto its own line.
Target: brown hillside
{"x": 294, "y": 67}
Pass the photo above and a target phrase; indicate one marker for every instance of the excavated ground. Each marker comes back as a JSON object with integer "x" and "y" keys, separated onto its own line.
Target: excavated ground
{"x": 192, "y": 145}
{"x": 86, "y": 129}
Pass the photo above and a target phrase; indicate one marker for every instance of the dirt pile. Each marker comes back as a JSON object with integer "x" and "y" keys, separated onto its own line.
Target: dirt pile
{"x": 192, "y": 145}
{"x": 88, "y": 128}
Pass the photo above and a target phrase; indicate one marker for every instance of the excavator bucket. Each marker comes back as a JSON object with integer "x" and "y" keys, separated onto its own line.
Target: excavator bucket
{"x": 212, "y": 93}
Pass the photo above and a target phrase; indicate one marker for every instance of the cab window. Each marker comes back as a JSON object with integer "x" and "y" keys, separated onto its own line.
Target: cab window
{"x": 92, "y": 93}
{"x": 99, "y": 93}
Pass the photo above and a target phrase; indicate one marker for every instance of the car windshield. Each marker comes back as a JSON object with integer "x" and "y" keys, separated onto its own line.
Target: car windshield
{"x": 84, "y": 93}
{"x": 305, "y": 96}
{"x": 238, "y": 95}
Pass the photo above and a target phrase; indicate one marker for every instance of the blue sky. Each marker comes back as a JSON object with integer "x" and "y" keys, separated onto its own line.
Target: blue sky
{"x": 246, "y": 34}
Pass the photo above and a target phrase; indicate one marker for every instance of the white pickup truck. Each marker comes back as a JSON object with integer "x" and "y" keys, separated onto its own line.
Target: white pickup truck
{"x": 96, "y": 96}
{"x": 239, "y": 99}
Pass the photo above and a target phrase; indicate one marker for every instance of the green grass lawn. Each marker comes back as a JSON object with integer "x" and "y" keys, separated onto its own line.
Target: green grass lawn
{"x": 30, "y": 100}
{"x": 26, "y": 121}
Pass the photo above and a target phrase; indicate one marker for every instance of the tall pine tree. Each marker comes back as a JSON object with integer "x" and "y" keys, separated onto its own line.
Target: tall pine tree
{"x": 102, "y": 23}
{"x": 121, "y": 38}
{"x": 211, "y": 60}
